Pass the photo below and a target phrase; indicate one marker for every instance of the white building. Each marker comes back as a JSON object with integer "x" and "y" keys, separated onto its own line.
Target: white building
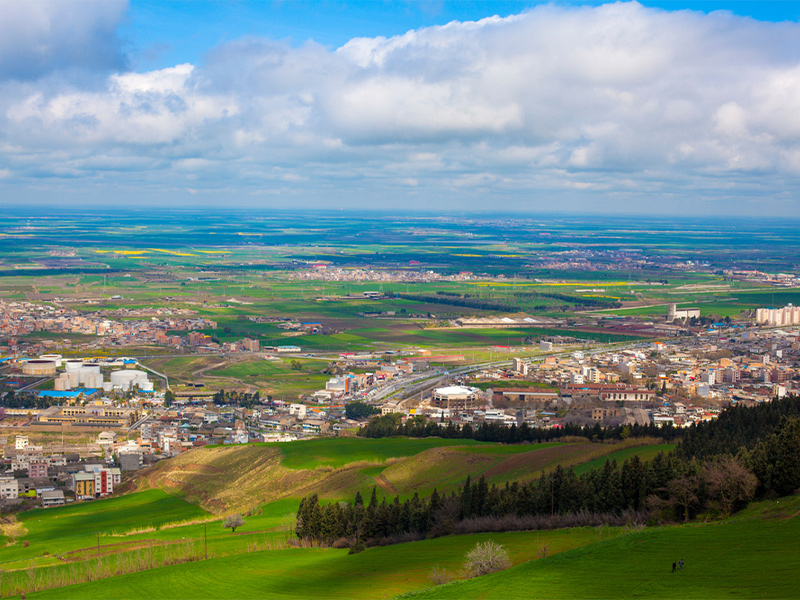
{"x": 298, "y": 410}
{"x": 674, "y": 313}
{"x": 788, "y": 315}
{"x": 9, "y": 488}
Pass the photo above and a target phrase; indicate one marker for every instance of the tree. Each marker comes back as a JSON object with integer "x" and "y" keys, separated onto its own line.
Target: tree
{"x": 169, "y": 398}
{"x": 683, "y": 493}
{"x": 729, "y": 483}
{"x": 232, "y": 522}
{"x": 485, "y": 558}
{"x": 296, "y": 365}
{"x": 359, "y": 410}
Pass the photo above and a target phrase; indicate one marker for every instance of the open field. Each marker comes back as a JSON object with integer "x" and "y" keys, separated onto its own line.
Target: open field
{"x": 745, "y": 557}
{"x": 313, "y": 573}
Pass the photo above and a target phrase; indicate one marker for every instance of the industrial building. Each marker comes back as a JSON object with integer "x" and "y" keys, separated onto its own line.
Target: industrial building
{"x": 674, "y": 313}
{"x": 127, "y": 380}
{"x": 455, "y": 398}
{"x": 788, "y": 315}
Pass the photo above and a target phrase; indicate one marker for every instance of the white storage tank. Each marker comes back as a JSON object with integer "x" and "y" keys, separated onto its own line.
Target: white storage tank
{"x": 93, "y": 380}
{"x": 38, "y": 367}
{"x": 74, "y": 378}
{"x": 73, "y": 364}
{"x": 54, "y": 357}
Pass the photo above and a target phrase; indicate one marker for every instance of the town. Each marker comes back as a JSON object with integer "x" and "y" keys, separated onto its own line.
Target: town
{"x": 119, "y": 420}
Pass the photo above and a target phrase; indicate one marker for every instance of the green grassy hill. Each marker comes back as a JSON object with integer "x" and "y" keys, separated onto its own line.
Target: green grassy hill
{"x": 751, "y": 556}
{"x": 180, "y": 502}
{"x": 222, "y": 479}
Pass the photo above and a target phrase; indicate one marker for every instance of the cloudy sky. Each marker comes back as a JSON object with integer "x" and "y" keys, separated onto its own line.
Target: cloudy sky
{"x": 655, "y": 108}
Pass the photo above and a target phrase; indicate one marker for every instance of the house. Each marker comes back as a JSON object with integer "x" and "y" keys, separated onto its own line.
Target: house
{"x": 9, "y": 488}
{"x": 37, "y": 469}
{"x": 52, "y": 498}
{"x": 103, "y": 480}
{"x": 130, "y": 460}
{"x": 83, "y": 485}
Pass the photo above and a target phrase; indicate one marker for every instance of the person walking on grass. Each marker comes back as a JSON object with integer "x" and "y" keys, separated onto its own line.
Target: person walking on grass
{"x": 674, "y": 566}
{"x": 681, "y": 564}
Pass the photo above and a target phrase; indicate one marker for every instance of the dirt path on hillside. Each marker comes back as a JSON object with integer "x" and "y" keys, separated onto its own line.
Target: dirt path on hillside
{"x": 385, "y": 484}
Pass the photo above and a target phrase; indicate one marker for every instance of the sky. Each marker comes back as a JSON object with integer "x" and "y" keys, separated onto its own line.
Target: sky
{"x": 661, "y": 108}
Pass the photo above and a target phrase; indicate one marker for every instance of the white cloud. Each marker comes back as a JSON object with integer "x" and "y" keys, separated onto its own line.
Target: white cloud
{"x": 45, "y": 35}
{"x": 605, "y": 98}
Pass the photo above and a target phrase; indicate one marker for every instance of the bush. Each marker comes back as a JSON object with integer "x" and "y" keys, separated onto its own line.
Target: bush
{"x": 486, "y": 558}
{"x": 356, "y": 548}
{"x": 440, "y": 576}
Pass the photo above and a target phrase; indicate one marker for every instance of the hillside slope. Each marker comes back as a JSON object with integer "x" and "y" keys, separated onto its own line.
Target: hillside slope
{"x": 751, "y": 556}
{"x": 223, "y": 479}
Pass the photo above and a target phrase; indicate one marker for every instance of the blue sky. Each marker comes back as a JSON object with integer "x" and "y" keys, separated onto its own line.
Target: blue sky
{"x": 653, "y": 107}
{"x": 163, "y": 34}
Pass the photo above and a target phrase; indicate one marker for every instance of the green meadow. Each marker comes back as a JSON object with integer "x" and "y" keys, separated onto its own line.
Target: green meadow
{"x": 331, "y": 452}
{"x": 748, "y": 556}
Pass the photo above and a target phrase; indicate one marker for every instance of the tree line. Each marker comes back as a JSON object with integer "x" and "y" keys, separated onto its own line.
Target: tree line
{"x": 236, "y": 398}
{"x": 392, "y": 425}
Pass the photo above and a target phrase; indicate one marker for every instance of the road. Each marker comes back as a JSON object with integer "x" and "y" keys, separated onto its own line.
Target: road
{"x": 408, "y": 387}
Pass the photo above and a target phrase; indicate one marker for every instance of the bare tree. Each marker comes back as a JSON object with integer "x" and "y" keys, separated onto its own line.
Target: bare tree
{"x": 232, "y": 522}
{"x": 485, "y": 558}
{"x": 683, "y": 493}
{"x": 729, "y": 483}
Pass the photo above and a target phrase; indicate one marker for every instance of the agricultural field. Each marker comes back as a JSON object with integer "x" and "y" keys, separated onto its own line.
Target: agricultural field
{"x": 231, "y": 270}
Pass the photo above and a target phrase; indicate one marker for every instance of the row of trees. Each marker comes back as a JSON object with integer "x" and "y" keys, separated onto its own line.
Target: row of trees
{"x": 235, "y": 398}
{"x": 738, "y": 427}
{"x": 391, "y": 425}
{"x": 13, "y": 399}
{"x": 665, "y": 488}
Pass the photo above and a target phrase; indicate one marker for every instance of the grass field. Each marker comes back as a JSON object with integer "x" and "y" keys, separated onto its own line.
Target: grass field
{"x": 54, "y": 531}
{"x": 645, "y": 453}
{"x": 267, "y": 481}
{"x": 313, "y": 573}
{"x": 746, "y": 557}
{"x": 340, "y": 452}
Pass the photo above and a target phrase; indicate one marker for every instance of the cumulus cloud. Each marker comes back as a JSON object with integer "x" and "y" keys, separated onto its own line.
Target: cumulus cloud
{"x": 40, "y": 37}
{"x": 618, "y": 99}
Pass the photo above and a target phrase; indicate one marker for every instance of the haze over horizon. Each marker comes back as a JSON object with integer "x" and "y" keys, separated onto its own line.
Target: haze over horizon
{"x": 678, "y": 109}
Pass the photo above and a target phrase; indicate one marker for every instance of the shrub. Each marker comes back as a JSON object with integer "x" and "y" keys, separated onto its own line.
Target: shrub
{"x": 356, "y": 548}
{"x": 485, "y": 558}
{"x": 440, "y": 576}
